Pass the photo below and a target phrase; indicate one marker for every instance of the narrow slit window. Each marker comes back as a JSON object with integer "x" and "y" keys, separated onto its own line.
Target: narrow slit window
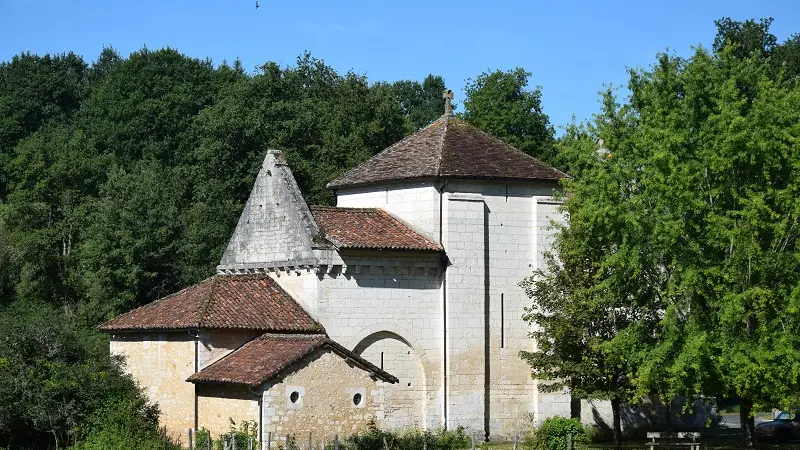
{"x": 381, "y": 360}
{"x": 502, "y": 320}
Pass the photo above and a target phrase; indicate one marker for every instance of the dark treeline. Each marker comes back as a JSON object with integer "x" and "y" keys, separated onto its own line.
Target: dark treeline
{"x": 122, "y": 180}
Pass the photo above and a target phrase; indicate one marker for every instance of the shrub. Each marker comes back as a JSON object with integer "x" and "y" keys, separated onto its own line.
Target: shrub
{"x": 129, "y": 424}
{"x": 248, "y": 429}
{"x": 552, "y": 433}
{"x": 373, "y": 439}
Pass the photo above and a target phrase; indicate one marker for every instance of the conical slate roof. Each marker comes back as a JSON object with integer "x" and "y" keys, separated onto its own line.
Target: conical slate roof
{"x": 448, "y": 148}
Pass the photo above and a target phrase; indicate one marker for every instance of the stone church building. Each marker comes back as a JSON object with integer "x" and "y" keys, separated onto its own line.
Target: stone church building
{"x": 399, "y": 305}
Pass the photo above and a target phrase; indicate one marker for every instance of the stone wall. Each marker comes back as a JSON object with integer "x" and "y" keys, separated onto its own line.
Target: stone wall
{"x": 416, "y": 203}
{"x": 325, "y": 385}
{"x": 215, "y": 344}
{"x": 161, "y": 363}
{"x": 391, "y": 295}
{"x": 505, "y": 244}
{"x": 221, "y": 407}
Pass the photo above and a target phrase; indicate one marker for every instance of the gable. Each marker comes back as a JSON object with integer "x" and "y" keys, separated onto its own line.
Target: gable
{"x": 267, "y": 356}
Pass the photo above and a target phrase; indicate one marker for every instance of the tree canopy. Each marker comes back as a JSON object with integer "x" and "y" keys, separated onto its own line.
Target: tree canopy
{"x": 501, "y": 104}
{"x": 122, "y": 180}
{"x": 682, "y": 235}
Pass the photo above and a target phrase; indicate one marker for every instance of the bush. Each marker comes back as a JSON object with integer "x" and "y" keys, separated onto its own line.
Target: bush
{"x": 552, "y": 434}
{"x": 248, "y": 429}
{"x": 373, "y": 439}
{"x": 124, "y": 425}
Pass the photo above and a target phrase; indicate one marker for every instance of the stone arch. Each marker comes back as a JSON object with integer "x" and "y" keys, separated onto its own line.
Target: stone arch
{"x": 405, "y": 335}
{"x": 404, "y": 402}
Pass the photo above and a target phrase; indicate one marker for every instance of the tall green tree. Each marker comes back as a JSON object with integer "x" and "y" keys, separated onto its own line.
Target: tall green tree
{"x": 702, "y": 224}
{"x": 35, "y": 90}
{"x": 592, "y": 301}
{"x": 422, "y": 103}
{"x": 751, "y": 38}
{"x": 501, "y": 104}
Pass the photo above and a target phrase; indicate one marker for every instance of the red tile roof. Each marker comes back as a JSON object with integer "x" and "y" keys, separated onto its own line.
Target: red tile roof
{"x": 266, "y": 356}
{"x": 253, "y": 302}
{"x": 448, "y": 148}
{"x": 368, "y": 228}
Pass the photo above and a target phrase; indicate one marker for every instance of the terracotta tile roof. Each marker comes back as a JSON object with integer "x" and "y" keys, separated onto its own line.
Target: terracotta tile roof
{"x": 368, "y": 228}
{"x": 448, "y": 148}
{"x": 266, "y": 356}
{"x": 253, "y": 302}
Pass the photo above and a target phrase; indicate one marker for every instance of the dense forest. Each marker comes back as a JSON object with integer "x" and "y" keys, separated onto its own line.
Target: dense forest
{"x": 122, "y": 179}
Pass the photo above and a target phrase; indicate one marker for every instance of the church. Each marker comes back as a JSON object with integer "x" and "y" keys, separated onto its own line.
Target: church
{"x": 400, "y": 305}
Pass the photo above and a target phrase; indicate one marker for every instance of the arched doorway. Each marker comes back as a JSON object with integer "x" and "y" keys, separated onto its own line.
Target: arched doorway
{"x": 404, "y": 403}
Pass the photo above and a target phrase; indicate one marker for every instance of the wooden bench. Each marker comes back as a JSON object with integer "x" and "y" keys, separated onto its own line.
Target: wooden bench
{"x": 671, "y": 439}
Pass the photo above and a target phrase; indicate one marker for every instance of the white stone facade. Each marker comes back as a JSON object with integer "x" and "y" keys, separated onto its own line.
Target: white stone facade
{"x": 448, "y": 326}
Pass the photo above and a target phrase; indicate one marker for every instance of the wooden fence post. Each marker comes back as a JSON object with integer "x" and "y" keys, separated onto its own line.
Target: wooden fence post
{"x": 569, "y": 441}
{"x": 287, "y": 441}
{"x": 335, "y": 442}
{"x": 516, "y": 441}
{"x": 473, "y": 442}
{"x": 269, "y": 440}
{"x": 309, "y": 440}
{"x": 191, "y": 446}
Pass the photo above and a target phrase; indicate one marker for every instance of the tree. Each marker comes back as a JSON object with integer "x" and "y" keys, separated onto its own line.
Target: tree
{"x": 36, "y": 90}
{"x": 593, "y": 301}
{"x": 422, "y": 103}
{"x": 702, "y": 219}
{"x": 748, "y": 38}
{"x": 500, "y": 104}
{"x": 55, "y": 375}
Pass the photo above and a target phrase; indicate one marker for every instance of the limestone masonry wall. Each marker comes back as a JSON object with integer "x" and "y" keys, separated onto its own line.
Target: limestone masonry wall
{"x": 489, "y": 254}
{"x": 391, "y": 305}
{"x": 215, "y": 344}
{"x": 161, "y": 363}
{"x": 326, "y": 385}
{"x": 221, "y": 407}
{"x": 415, "y": 203}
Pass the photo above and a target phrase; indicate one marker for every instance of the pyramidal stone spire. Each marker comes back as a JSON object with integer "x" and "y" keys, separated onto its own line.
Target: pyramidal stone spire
{"x": 276, "y": 228}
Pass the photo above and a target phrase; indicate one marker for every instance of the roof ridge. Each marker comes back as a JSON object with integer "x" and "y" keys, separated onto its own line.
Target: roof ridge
{"x": 387, "y": 149}
{"x": 208, "y": 302}
{"x": 437, "y": 170}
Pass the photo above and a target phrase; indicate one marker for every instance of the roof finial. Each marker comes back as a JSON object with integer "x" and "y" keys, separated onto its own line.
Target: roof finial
{"x": 447, "y": 95}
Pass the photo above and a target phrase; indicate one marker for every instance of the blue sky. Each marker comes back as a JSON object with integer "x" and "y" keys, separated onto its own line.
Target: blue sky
{"x": 572, "y": 48}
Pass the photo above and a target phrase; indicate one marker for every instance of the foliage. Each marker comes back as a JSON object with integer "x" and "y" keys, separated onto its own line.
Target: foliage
{"x": 247, "y": 431}
{"x": 587, "y": 307}
{"x": 553, "y": 434}
{"x": 421, "y": 103}
{"x": 501, "y": 104}
{"x": 56, "y": 379}
{"x": 687, "y": 231}
{"x": 373, "y": 438}
{"x": 118, "y": 425}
